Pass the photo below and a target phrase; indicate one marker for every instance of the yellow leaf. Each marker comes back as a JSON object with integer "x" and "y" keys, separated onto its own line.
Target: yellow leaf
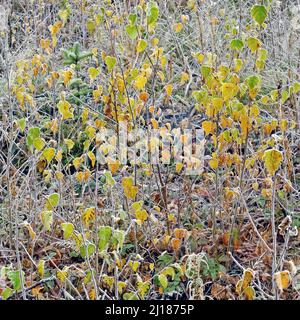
{"x": 208, "y": 127}
{"x": 97, "y": 93}
{"x": 121, "y": 286}
{"x": 45, "y": 44}
{"x": 134, "y": 265}
{"x": 141, "y": 45}
{"x": 92, "y": 294}
{"x": 55, "y": 28}
{"x": 32, "y": 234}
{"x": 242, "y": 284}
{"x": 88, "y": 216}
{"x": 92, "y": 158}
{"x": 67, "y": 76}
{"x": 184, "y": 77}
{"x": 238, "y": 63}
{"x": 264, "y": 99}
{"x": 129, "y": 189}
{"x": 93, "y": 73}
{"x": 58, "y": 156}
{"x": 238, "y": 287}
{"x": 63, "y": 14}
{"x": 249, "y": 293}
{"x": 77, "y": 162}
{"x": 143, "y": 288}
{"x": 282, "y": 279}
{"x": 79, "y": 176}
{"x": 141, "y": 215}
{"x": 140, "y": 82}
{"x": 214, "y": 163}
{"x": 85, "y": 115}
{"x": 247, "y": 278}
{"x": 62, "y": 274}
{"x": 161, "y": 75}
{"x": 179, "y": 166}
{"x": 283, "y": 124}
{"x": 48, "y": 154}
{"x": 59, "y": 175}
{"x": 254, "y": 111}
{"x": 180, "y": 233}
{"x": 178, "y": 27}
{"x": 154, "y": 123}
{"x": 176, "y": 243}
{"x": 217, "y": 104}
{"x": 169, "y": 89}
{"x": 69, "y": 143}
{"x": 198, "y": 56}
{"x": 245, "y": 124}
{"x": 113, "y": 165}
{"x": 229, "y": 90}
{"x": 255, "y": 186}
{"x": 90, "y": 131}
{"x": 64, "y": 109}
{"x": 41, "y": 268}
{"x": 272, "y": 160}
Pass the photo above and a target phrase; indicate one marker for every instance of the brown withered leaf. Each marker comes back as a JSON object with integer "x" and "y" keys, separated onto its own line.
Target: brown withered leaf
{"x": 285, "y": 225}
{"x": 218, "y": 291}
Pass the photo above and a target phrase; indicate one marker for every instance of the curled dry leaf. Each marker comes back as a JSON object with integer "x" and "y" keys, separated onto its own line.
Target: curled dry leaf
{"x": 283, "y": 279}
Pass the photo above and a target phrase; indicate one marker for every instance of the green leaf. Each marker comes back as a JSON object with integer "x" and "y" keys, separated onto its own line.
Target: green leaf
{"x": 104, "y": 234}
{"x": 284, "y": 96}
{"x": 33, "y": 133}
{"x": 110, "y": 62}
{"x": 15, "y": 278}
{"x": 68, "y": 229}
{"x": 132, "y": 18}
{"x": 259, "y": 13}
{"x": 39, "y": 143}
{"x": 296, "y": 87}
{"x": 152, "y": 12}
{"x": 206, "y": 71}
{"x": 52, "y": 201}
{"x": 118, "y": 238}
{"x": 91, "y": 26}
{"x": 6, "y": 293}
{"x": 22, "y": 124}
{"x": 131, "y": 31}
{"x": 169, "y": 271}
{"x": 93, "y": 73}
{"x": 163, "y": 280}
{"x": 141, "y": 46}
{"x": 253, "y": 81}
{"x": 199, "y": 96}
{"x": 109, "y": 178}
{"x": 237, "y": 44}
{"x": 130, "y": 296}
{"x": 253, "y": 43}
{"x": 87, "y": 250}
{"x": 47, "y": 219}
{"x": 84, "y": 55}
